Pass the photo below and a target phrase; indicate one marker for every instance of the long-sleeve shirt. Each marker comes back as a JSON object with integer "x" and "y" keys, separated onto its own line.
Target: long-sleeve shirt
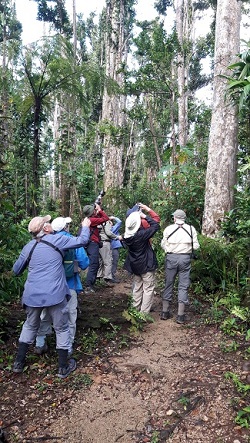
{"x": 115, "y": 229}
{"x": 102, "y": 217}
{"x": 46, "y": 283}
{"x": 180, "y": 242}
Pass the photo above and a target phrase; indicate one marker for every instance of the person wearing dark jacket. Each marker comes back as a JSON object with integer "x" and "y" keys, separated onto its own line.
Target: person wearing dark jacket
{"x": 141, "y": 259}
{"x": 96, "y": 216}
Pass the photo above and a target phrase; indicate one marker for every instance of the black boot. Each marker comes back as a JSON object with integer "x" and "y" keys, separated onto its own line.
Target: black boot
{"x": 65, "y": 366}
{"x": 20, "y": 358}
{"x": 165, "y": 315}
{"x": 180, "y": 319}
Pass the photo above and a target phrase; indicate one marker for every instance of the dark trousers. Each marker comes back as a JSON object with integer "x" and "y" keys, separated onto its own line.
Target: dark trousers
{"x": 93, "y": 254}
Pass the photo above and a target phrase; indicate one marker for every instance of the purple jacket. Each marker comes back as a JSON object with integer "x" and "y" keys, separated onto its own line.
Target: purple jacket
{"x": 46, "y": 283}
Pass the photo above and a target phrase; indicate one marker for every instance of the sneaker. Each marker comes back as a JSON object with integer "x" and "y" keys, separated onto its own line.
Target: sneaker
{"x": 165, "y": 315}
{"x": 89, "y": 290}
{"x": 39, "y": 350}
{"x": 18, "y": 366}
{"x": 65, "y": 371}
{"x": 180, "y": 319}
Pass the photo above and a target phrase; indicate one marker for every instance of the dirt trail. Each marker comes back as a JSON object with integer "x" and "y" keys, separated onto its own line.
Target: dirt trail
{"x": 169, "y": 386}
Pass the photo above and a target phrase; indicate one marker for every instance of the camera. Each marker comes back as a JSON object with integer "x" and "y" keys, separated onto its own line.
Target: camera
{"x": 99, "y": 198}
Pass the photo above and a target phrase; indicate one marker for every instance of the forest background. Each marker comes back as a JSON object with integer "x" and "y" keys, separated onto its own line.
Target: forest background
{"x": 109, "y": 102}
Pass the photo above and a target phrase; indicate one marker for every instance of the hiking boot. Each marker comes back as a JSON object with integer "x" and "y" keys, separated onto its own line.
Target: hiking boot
{"x": 165, "y": 315}
{"x": 65, "y": 371}
{"x": 180, "y": 319}
{"x": 18, "y": 366}
{"x": 39, "y": 350}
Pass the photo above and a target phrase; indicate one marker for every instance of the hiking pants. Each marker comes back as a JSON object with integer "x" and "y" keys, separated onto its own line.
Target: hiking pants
{"x": 59, "y": 315}
{"x": 105, "y": 261}
{"x": 115, "y": 260}
{"x": 93, "y": 254}
{"x": 143, "y": 291}
{"x": 46, "y": 321}
{"x": 177, "y": 264}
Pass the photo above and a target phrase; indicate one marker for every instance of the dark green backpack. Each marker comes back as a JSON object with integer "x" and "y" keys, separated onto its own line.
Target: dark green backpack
{"x": 68, "y": 263}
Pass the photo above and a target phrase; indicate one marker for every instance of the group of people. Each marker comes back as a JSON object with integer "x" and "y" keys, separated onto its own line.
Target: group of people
{"x": 53, "y": 281}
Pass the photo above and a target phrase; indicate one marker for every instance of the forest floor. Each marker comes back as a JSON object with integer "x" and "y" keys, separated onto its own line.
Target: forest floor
{"x": 165, "y": 383}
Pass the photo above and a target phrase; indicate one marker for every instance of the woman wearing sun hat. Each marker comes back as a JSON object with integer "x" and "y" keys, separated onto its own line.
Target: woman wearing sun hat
{"x": 141, "y": 259}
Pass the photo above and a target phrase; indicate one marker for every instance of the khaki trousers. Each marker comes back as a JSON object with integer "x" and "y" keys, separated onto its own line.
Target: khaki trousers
{"x": 143, "y": 291}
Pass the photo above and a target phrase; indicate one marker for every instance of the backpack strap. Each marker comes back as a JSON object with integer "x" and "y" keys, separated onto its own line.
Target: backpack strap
{"x": 39, "y": 240}
{"x": 190, "y": 234}
{"x": 53, "y": 246}
{"x": 173, "y": 232}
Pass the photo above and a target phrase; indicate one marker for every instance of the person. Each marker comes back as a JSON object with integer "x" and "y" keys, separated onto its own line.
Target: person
{"x": 79, "y": 259}
{"x": 105, "y": 253}
{"x": 46, "y": 287}
{"x": 151, "y": 213}
{"x": 96, "y": 216}
{"x": 179, "y": 240}
{"x": 141, "y": 259}
{"x": 115, "y": 246}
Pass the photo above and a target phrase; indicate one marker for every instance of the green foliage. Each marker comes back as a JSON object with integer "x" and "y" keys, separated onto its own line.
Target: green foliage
{"x": 221, "y": 266}
{"x": 89, "y": 341}
{"x": 239, "y": 83}
{"x": 243, "y": 417}
{"x": 241, "y": 387}
{"x": 138, "y": 319}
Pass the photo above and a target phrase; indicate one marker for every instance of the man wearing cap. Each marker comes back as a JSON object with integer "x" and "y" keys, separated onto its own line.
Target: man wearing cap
{"x": 141, "y": 259}
{"x": 60, "y": 226}
{"x": 96, "y": 216}
{"x": 46, "y": 287}
{"x": 179, "y": 241}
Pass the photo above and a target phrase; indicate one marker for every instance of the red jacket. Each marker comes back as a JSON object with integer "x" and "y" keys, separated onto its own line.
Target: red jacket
{"x": 100, "y": 218}
{"x": 153, "y": 215}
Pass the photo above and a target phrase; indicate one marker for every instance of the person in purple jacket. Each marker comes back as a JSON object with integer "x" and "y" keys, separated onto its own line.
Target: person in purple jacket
{"x": 46, "y": 286}
{"x": 60, "y": 226}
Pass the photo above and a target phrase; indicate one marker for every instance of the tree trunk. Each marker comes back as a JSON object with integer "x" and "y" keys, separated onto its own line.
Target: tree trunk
{"x": 184, "y": 23}
{"x": 221, "y": 167}
{"x": 114, "y": 103}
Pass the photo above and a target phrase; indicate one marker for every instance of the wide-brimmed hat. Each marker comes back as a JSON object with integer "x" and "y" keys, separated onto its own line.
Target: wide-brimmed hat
{"x": 88, "y": 210}
{"x": 179, "y": 216}
{"x": 37, "y": 223}
{"x": 59, "y": 223}
{"x": 132, "y": 224}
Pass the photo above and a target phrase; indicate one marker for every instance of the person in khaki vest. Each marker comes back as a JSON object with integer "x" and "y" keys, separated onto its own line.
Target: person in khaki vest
{"x": 179, "y": 241}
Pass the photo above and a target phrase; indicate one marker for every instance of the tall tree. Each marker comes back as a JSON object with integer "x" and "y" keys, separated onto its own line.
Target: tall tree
{"x": 119, "y": 19}
{"x": 221, "y": 168}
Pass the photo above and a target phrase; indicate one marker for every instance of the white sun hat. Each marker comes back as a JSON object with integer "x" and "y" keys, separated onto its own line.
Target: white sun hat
{"x": 132, "y": 224}
{"x": 59, "y": 223}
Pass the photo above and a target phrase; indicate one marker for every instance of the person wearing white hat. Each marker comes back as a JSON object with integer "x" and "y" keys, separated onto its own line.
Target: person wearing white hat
{"x": 73, "y": 260}
{"x": 179, "y": 241}
{"x": 141, "y": 259}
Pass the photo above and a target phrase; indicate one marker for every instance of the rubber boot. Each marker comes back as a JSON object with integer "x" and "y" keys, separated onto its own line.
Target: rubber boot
{"x": 65, "y": 366}
{"x": 20, "y": 358}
